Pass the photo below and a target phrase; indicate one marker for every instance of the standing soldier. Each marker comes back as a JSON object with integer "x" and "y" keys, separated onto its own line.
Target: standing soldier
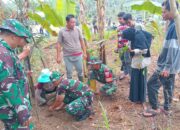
{"x": 74, "y": 94}
{"x": 14, "y": 90}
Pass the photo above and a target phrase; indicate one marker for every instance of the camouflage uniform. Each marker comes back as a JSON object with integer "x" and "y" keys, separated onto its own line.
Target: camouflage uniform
{"x": 109, "y": 88}
{"x": 14, "y": 90}
{"x": 78, "y": 98}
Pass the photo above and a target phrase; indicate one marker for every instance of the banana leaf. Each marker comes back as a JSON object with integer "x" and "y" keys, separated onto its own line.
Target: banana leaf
{"x": 51, "y": 15}
{"x": 44, "y": 23}
{"x": 87, "y": 32}
{"x": 147, "y": 5}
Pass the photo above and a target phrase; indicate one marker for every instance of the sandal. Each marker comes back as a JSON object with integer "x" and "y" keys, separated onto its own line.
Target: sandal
{"x": 122, "y": 77}
{"x": 150, "y": 113}
{"x": 166, "y": 112}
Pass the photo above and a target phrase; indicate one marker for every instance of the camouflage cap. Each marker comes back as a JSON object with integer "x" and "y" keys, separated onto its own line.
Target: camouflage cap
{"x": 55, "y": 76}
{"x": 17, "y": 28}
{"x": 94, "y": 60}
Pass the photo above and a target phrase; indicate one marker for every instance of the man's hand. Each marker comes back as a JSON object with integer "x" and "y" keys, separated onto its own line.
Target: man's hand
{"x": 29, "y": 72}
{"x": 26, "y": 50}
{"x": 24, "y": 53}
{"x": 116, "y": 50}
{"x": 58, "y": 59}
{"x": 165, "y": 73}
{"x": 84, "y": 56}
{"x": 27, "y": 123}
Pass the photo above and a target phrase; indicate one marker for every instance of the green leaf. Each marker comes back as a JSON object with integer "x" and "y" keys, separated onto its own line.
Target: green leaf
{"x": 105, "y": 117}
{"x": 65, "y": 7}
{"x": 51, "y": 15}
{"x": 147, "y": 5}
{"x": 87, "y": 32}
{"x": 44, "y": 23}
{"x": 109, "y": 34}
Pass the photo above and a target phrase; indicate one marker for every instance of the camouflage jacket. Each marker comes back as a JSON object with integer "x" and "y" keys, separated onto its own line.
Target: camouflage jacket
{"x": 99, "y": 75}
{"x": 14, "y": 89}
{"x": 74, "y": 89}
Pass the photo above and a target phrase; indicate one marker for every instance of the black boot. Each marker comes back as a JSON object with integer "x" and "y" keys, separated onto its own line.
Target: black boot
{"x": 84, "y": 116}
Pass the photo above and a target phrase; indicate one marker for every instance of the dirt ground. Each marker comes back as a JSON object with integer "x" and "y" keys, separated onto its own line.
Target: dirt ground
{"x": 122, "y": 114}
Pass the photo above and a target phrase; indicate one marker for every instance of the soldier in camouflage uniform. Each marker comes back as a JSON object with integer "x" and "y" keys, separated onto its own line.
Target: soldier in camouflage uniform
{"x": 74, "y": 94}
{"x": 103, "y": 74}
{"x": 43, "y": 87}
{"x": 14, "y": 90}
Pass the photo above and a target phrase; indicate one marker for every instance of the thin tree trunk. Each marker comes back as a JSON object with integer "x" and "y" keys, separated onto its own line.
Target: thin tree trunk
{"x": 82, "y": 19}
{"x": 22, "y": 7}
{"x": 176, "y": 14}
{"x": 1, "y": 12}
{"x": 101, "y": 25}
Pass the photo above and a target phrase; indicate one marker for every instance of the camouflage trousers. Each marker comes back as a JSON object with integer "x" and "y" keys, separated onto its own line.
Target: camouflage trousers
{"x": 79, "y": 107}
{"x": 108, "y": 89}
{"x": 11, "y": 122}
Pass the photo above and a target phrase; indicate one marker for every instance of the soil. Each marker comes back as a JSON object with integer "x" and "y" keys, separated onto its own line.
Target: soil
{"x": 122, "y": 114}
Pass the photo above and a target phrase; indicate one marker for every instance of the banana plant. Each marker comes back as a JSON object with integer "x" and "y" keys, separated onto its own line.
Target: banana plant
{"x": 53, "y": 16}
{"x": 147, "y": 5}
{"x": 156, "y": 29}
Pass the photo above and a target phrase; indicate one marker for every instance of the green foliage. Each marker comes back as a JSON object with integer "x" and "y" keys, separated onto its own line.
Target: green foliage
{"x": 147, "y": 5}
{"x": 87, "y": 32}
{"x": 53, "y": 16}
{"x": 123, "y": 50}
{"x": 104, "y": 114}
{"x": 157, "y": 31}
{"x": 109, "y": 34}
{"x": 44, "y": 23}
{"x": 65, "y": 7}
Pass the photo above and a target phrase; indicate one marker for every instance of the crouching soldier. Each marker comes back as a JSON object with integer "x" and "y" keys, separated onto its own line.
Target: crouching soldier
{"x": 103, "y": 74}
{"x": 44, "y": 87}
{"x": 74, "y": 95}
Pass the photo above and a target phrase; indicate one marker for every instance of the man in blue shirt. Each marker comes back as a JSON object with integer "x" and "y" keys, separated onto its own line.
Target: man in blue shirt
{"x": 168, "y": 65}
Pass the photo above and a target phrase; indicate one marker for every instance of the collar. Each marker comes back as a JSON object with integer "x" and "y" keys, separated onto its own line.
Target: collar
{"x": 67, "y": 29}
{"x": 4, "y": 43}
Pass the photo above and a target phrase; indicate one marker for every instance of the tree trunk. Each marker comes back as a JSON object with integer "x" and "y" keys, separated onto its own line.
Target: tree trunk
{"x": 23, "y": 7}
{"x": 1, "y": 12}
{"x": 101, "y": 25}
{"x": 176, "y": 15}
{"x": 82, "y": 19}
{"x": 82, "y": 16}
{"x": 24, "y": 18}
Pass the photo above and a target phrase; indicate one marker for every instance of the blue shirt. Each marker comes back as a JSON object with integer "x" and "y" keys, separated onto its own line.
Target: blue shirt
{"x": 169, "y": 58}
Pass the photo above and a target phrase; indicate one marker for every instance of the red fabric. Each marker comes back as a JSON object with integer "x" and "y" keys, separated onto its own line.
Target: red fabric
{"x": 77, "y": 54}
{"x": 39, "y": 86}
{"x": 121, "y": 42}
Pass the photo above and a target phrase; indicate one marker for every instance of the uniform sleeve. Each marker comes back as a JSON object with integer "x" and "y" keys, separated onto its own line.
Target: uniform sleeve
{"x": 64, "y": 85}
{"x": 60, "y": 37}
{"x": 10, "y": 89}
{"x": 61, "y": 89}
